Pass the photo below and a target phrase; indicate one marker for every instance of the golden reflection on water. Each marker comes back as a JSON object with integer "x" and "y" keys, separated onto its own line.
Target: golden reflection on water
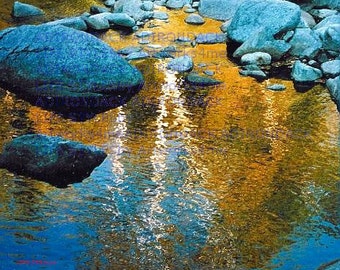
{"x": 258, "y": 152}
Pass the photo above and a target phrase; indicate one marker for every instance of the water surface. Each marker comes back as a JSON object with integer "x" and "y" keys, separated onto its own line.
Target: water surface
{"x": 227, "y": 177}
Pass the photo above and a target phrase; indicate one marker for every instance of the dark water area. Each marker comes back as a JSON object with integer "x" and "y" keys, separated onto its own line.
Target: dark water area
{"x": 227, "y": 177}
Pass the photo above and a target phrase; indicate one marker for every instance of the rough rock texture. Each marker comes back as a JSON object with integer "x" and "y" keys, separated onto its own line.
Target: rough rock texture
{"x": 333, "y": 86}
{"x": 181, "y": 64}
{"x": 263, "y": 41}
{"x": 51, "y": 159}
{"x": 73, "y": 22}
{"x": 219, "y": 9}
{"x": 25, "y": 10}
{"x": 133, "y": 9}
{"x": 98, "y": 22}
{"x": 275, "y": 15}
{"x": 331, "y": 68}
{"x": 56, "y": 63}
{"x": 304, "y": 73}
{"x": 335, "y": 4}
{"x": 305, "y": 43}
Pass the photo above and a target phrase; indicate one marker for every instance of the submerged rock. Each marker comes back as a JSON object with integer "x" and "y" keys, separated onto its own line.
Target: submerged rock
{"x": 25, "y": 10}
{"x": 304, "y": 73}
{"x": 51, "y": 159}
{"x": 137, "y": 55}
{"x": 211, "y": 38}
{"x": 219, "y": 9}
{"x": 181, "y": 64}
{"x": 253, "y": 71}
{"x": 160, "y": 15}
{"x": 276, "y": 87}
{"x": 61, "y": 68}
{"x": 275, "y": 15}
{"x": 198, "y": 80}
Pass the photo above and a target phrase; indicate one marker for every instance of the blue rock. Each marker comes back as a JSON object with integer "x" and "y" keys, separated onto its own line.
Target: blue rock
{"x": 25, "y": 10}
{"x": 51, "y": 159}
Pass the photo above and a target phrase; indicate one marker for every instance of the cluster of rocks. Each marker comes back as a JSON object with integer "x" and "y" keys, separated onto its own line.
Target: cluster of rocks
{"x": 273, "y": 33}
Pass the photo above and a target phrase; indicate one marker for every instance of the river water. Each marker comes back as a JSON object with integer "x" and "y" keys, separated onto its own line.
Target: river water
{"x": 227, "y": 177}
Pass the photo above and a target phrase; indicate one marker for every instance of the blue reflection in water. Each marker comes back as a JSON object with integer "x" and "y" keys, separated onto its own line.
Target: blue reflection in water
{"x": 313, "y": 245}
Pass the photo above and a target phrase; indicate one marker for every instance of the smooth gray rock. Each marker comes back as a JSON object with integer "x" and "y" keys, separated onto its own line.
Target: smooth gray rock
{"x": 304, "y": 73}
{"x": 198, "y": 80}
{"x": 133, "y": 9}
{"x": 59, "y": 67}
{"x": 51, "y": 159}
{"x": 194, "y": 19}
{"x": 137, "y": 56}
{"x": 256, "y": 58}
{"x": 160, "y": 15}
{"x": 73, "y": 22}
{"x": 305, "y": 43}
{"x": 219, "y": 9}
{"x": 129, "y": 49}
{"x": 335, "y": 4}
{"x": 120, "y": 19}
{"x": 275, "y": 15}
{"x": 331, "y": 68}
{"x": 98, "y": 22}
{"x": 211, "y": 38}
{"x": 333, "y": 86}
{"x": 307, "y": 20}
{"x": 190, "y": 10}
{"x": 181, "y": 64}
{"x": 276, "y": 87}
{"x": 21, "y": 10}
{"x": 253, "y": 71}
{"x": 147, "y": 6}
{"x": 263, "y": 41}
{"x": 175, "y": 4}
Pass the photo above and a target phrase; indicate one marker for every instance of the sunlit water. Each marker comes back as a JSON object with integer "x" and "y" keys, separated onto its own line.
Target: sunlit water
{"x": 227, "y": 177}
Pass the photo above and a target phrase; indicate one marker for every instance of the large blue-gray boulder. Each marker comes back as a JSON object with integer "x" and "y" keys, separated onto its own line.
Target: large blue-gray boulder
{"x": 304, "y": 73}
{"x": 59, "y": 67}
{"x": 219, "y": 9}
{"x": 329, "y": 32}
{"x": 263, "y": 41}
{"x": 21, "y": 10}
{"x": 51, "y": 159}
{"x": 333, "y": 86}
{"x": 331, "y": 68}
{"x": 305, "y": 43}
{"x": 276, "y": 16}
